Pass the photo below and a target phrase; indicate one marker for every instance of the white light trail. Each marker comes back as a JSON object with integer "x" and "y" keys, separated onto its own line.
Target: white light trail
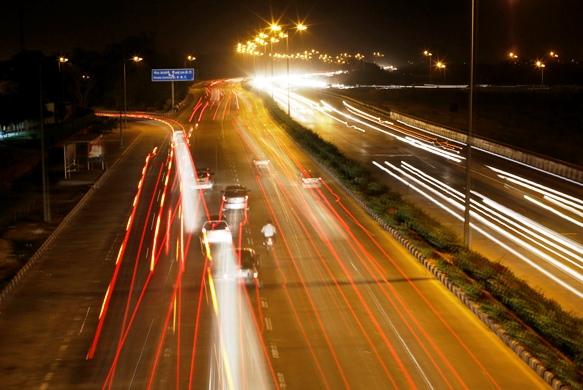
{"x": 186, "y": 174}
{"x": 459, "y": 205}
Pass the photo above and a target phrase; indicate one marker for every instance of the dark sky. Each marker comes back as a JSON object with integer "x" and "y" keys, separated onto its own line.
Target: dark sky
{"x": 400, "y": 28}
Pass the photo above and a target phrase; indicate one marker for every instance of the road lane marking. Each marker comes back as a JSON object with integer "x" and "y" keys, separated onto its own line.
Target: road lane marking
{"x": 274, "y": 351}
{"x": 85, "y": 319}
{"x": 268, "y": 324}
{"x": 141, "y": 353}
{"x": 264, "y": 303}
{"x": 281, "y": 380}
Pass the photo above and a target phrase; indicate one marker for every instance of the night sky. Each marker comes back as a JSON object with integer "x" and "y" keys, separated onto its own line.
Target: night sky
{"x": 399, "y": 28}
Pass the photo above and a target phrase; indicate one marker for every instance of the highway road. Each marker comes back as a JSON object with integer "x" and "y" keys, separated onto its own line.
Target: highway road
{"x": 528, "y": 220}
{"x": 339, "y": 303}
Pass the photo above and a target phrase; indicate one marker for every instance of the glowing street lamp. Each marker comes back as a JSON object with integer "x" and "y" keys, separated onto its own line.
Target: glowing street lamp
{"x": 301, "y": 27}
{"x": 513, "y": 56}
{"x": 553, "y": 54}
{"x": 541, "y": 65}
{"x": 274, "y": 27}
{"x": 135, "y": 59}
{"x": 441, "y": 66}
{"x": 428, "y": 54}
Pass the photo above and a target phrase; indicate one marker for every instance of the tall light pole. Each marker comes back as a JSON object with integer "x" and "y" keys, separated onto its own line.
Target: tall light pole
{"x": 441, "y": 66}
{"x": 135, "y": 59}
{"x": 469, "y": 142}
{"x": 45, "y": 184}
{"x": 428, "y": 54}
{"x": 275, "y": 29}
{"x": 61, "y": 61}
{"x": 300, "y": 27}
{"x": 541, "y": 65}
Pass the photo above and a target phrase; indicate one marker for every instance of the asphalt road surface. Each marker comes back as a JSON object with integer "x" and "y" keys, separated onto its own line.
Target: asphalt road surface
{"x": 526, "y": 229}
{"x": 126, "y": 298}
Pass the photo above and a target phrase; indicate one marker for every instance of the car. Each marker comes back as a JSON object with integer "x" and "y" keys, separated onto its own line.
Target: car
{"x": 214, "y": 232}
{"x": 309, "y": 180}
{"x": 204, "y": 179}
{"x": 261, "y": 162}
{"x": 249, "y": 271}
{"x": 235, "y": 197}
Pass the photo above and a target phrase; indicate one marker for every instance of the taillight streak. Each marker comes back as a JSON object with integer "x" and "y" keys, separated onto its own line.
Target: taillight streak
{"x": 419, "y": 293}
{"x": 316, "y": 314}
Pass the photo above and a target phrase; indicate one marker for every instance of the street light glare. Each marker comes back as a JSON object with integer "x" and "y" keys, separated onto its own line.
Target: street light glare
{"x": 301, "y": 27}
{"x": 62, "y": 59}
{"x": 275, "y": 27}
{"x": 137, "y": 59}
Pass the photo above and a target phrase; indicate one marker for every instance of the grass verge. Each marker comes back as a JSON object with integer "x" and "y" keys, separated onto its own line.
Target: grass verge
{"x": 552, "y": 335}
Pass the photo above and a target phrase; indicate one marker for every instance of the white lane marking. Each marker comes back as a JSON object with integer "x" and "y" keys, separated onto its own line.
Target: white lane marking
{"x": 147, "y": 252}
{"x": 281, "y": 380}
{"x": 425, "y": 378}
{"x": 268, "y": 324}
{"x": 264, "y": 303}
{"x": 141, "y": 353}
{"x": 85, "y": 319}
{"x": 153, "y": 220}
{"x": 274, "y": 351}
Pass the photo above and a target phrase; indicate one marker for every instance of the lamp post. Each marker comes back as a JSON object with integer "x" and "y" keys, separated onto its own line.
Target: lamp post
{"x": 469, "y": 142}
{"x": 135, "y": 59}
{"x": 512, "y": 56}
{"x": 300, "y": 27}
{"x": 441, "y": 66}
{"x": 61, "y": 61}
{"x": 45, "y": 184}
{"x": 541, "y": 65}
{"x": 428, "y": 54}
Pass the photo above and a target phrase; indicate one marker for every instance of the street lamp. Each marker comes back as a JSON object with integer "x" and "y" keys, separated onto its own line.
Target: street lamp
{"x": 61, "y": 61}
{"x": 441, "y": 66}
{"x": 553, "y": 54}
{"x": 428, "y": 54}
{"x": 135, "y": 59}
{"x": 541, "y": 65}
{"x": 513, "y": 56}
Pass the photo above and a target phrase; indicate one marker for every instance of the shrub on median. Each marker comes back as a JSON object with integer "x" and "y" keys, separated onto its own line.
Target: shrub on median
{"x": 522, "y": 312}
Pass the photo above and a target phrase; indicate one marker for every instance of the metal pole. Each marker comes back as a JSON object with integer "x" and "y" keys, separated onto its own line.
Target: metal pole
{"x": 287, "y": 65}
{"x": 469, "y": 142}
{"x": 271, "y": 54}
{"x": 172, "y": 83}
{"x": 542, "y": 76}
{"x": 45, "y": 184}
{"x": 62, "y": 107}
{"x": 125, "y": 105}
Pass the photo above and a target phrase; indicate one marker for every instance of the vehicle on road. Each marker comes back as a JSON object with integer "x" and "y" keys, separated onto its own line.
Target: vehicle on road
{"x": 309, "y": 180}
{"x": 235, "y": 197}
{"x": 249, "y": 271}
{"x": 215, "y": 232}
{"x": 205, "y": 179}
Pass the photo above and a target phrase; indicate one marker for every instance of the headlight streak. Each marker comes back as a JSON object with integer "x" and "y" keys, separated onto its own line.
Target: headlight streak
{"x": 560, "y": 196}
{"x": 186, "y": 173}
{"x": 554, "y": 211}
{"x": 494, "y": 227}
{"x": 521, "y": 243}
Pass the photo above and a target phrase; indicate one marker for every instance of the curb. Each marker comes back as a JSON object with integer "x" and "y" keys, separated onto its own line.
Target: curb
{"x": 11, "y": 287}
{"x": 549, "y": 377}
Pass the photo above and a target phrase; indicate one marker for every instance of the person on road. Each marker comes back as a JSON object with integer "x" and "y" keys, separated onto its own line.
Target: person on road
{"x": 268, "y": 231}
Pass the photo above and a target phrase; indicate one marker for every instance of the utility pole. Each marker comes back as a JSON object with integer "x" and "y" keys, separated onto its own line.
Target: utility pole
{"x": 172, "y": 83}
{"x": 45, "y": 184}
{"x": 125, "y": 105}
{"x": 469, "y": 142}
